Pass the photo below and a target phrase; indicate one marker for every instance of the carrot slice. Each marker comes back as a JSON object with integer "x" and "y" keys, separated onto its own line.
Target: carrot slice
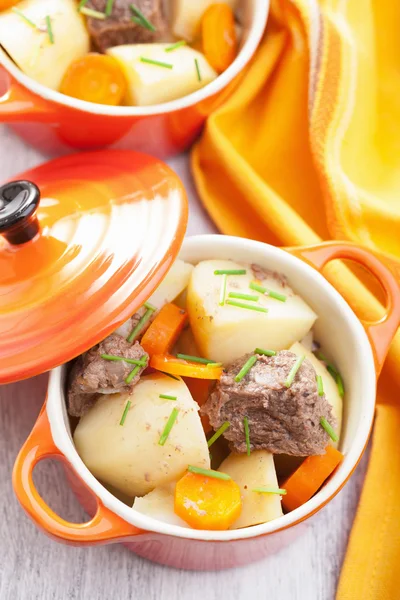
{"x": 219, "y": 36}
{"x": 8, "y": 4}
{"x": 176, "y": 366}
{"x": 164, "y": 330}
{"x": 207, "y": 503}
{"x": 309, "y": 477}
{"x": 95, "y": 78}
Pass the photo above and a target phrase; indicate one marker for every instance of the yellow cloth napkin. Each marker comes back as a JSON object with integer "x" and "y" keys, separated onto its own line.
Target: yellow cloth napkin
{"x": 308, "y": 149}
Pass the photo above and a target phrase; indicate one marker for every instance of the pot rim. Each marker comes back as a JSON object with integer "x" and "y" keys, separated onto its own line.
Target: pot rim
{"x": 259, "y": 20}
{"x": 56, "y": 411}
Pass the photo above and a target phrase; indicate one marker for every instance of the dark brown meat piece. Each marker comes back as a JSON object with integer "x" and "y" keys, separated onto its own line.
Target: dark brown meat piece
{"x": 281, "y": 420}
{"x": 92, "y": 375}
{"x": 119, "y": 28}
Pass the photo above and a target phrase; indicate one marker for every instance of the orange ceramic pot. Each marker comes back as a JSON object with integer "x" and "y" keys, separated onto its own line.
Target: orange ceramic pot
{"x": 358, "y": 349}
{"x": 57, "y": 124}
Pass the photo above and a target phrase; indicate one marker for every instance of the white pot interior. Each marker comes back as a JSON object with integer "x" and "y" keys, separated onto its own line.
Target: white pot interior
{"x": 340, "y": 334}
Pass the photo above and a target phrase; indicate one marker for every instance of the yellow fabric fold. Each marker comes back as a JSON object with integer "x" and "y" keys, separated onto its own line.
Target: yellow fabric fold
{"x": 307, "y": 149}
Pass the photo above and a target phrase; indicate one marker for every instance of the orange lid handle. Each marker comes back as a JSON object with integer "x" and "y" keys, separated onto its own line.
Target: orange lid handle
{"x": 382, "y": 332}
{"x": 104, "y": 527}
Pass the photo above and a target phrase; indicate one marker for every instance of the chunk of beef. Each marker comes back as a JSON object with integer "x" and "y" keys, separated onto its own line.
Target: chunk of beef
{"x": 120, "y": 28}
{"x": 261, "y": 274}
{"x": 282, "y": 420}
{"x": 92, "y": 375}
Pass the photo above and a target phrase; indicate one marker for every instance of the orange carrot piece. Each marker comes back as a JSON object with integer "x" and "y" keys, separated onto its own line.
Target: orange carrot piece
{"x": 4, "y": 4}
{"x": 176, "y": 366}
{"x": 309, "y": 477}
{"x": 95, "y": 78}
{"x": 219, "y": 36}
{"x": 162, "y": 334}
{"x": 207, "y": 503}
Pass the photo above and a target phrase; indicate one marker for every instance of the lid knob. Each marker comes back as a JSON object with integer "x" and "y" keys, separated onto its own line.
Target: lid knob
{"x": 18, "y": 203}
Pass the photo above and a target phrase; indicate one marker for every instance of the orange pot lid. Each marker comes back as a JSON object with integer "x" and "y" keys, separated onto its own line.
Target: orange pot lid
{"x": 83, "y": 259}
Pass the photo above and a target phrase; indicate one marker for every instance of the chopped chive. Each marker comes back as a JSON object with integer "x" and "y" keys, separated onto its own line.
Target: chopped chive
{"x": 158, "y": 63}
{"x": 222, "y": 293}
{"x": 142, "y": 322}
{"x": 49, "y": 29}
{"x": 265, "y": 352}
{"x": 127, "y": 407}
{"x": 169, "y": 375}
{"x": 24, "y": 17}
{"x": 247, "y": 434}
{"x": 280, "y": 297}
{"x": 242, "y": 305}
{"x": 293, "y": 371}
{"x": 339, "y": 383}
{"x": 140, "y": 19}
{"x": 329, "y": 429}
{"x": 109, "y": 7}
{"x": 131, "y": 361}
{"x": 270, "y": 490}
{"x": 257, "y": 288}
{"x": 250, "y": 362}
{"x": 196, "y": 62}
{"x": 175, "y": 46}
{"x": 150, "y": 306}
{"x": 218, "y": 433}
{"x": 94, "y": 14}
{"x": 135, "y": 371}
{"x": 169, "y": 425}
{"x": 320, "y": 385}
{"x": 209, "y": 473}
{"x": 230, "y": 272}
{"x": 198, "y": 359}
{"x": 166, "y": 397}
{"x": 239, "y": 296}
{"x": 82, "y": 4}
{"x": 212, "y": 364}
{"x": 324, "y": 359}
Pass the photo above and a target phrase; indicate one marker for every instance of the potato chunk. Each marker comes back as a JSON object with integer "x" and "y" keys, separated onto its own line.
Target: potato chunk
{"x": 129, "y": 456}
{"x": 159, "y": 504}
{"x": 225, "y": 333}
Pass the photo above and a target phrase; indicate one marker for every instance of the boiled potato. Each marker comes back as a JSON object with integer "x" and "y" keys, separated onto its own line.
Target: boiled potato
{"x": 129, "y": 457}
{"x": 330, "y": 387}
{"x": 159, "y": 504}
{"x": 150, "y": 84}
{"x": 225, "y": 333}
{"x": 31, "y": 48}
{"x": 172, "y": 286}
{"x": 250, "y": 472}
{"x": 187, "y": 16}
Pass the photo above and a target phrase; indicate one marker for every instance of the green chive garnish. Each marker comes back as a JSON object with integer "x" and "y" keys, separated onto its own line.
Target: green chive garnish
{"x": 293, "y": 371}
{"x": 280, "y": 297}
{"x": 339, "y": 383}
{"x": 249, "y": 306}
{"x": 230, "y": 272}
{"x": 136, "y": 330}
{"x": 135, "y": 371}
{"x": 127, "y": 406}
{"x": 320, "y": 385}
{"x": 257, "y": 288}
{"x": 131, "y": 361}
{"x": 265, "y": 352}
{"x": 247, "y": 434}
{"x": 95, "y": 14}
{"x": 198, "y": 359}
{"x": 218, "y": 433}
{"x": 196, "y": 62}
{"x": 246, "y": 368}
{"x": 109, "y": 7}
{"x": 150, "y": 306}
{"x": 158, "y": 63}
{"x": 49, "y": 29}
{"x": 270, "y": 490}
{"x": 166, "y": 397}
{"x": 24, "y": 17}
{"x": 168, "y": 426}
{"x": 239, "y": 296}
{"x": 175, "y": 46}
{"x": 82, "y": 4}
{"x": 209, "y": 473}
{"x": 140, "y": 19}
{"x": 263, "y": 290}
{"x": 211, "y": 364}
{"x": 222, "y": 294}
{"x": 329, "y": 429}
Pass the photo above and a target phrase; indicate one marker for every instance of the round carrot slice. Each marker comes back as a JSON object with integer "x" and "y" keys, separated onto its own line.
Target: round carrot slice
{"x": 207, "y": 503}
{"x": 218, "y": 35}
{"x": 95, "y": 78}
{"x": 4, "y": 4}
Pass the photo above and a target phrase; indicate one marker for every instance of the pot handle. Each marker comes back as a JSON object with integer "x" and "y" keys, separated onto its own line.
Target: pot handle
{"x": 104, "y": 527}
{"x": 382, "y": 332}
{"x": 18, "y": 103}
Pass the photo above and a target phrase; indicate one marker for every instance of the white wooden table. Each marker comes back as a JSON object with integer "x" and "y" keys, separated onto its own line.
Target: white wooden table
{"x": 34, "y": 567}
